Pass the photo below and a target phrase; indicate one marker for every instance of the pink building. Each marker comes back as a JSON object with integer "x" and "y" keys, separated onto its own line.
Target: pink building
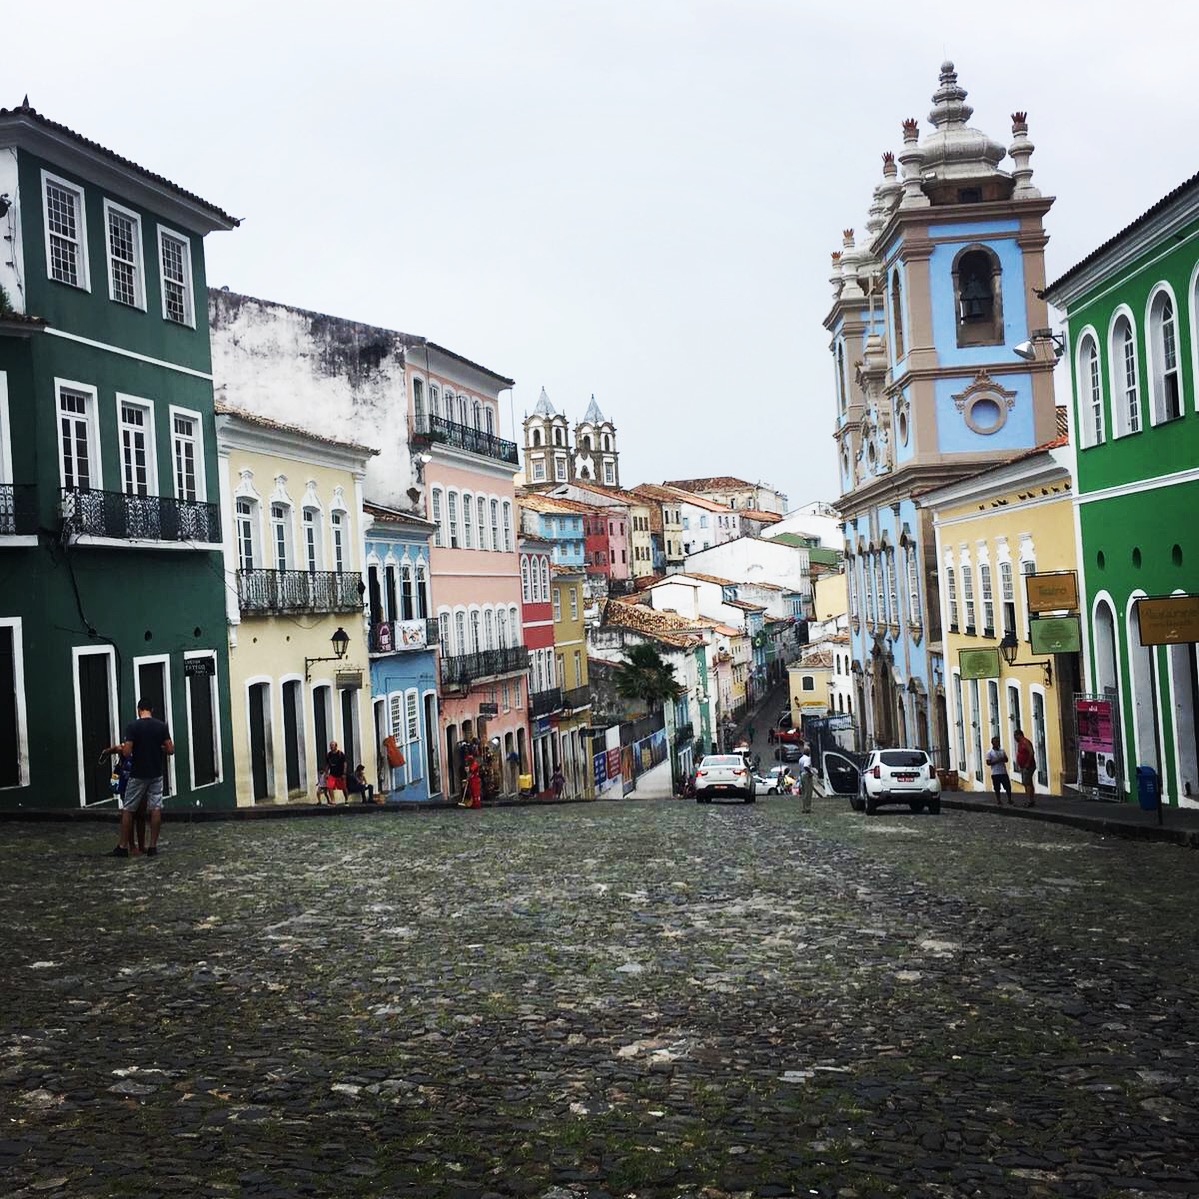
{"x": 466, "y": 472}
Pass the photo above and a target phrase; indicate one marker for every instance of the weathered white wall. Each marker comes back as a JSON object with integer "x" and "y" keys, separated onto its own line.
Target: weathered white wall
{"x": 751, "y": 559}
{"x": 330, "y": 376}
{"x": 12, "y": 278}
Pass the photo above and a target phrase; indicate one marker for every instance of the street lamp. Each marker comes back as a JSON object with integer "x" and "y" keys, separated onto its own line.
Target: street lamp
{"x": 341, "y": 643}
{"x": 1028, "y": 349}
{"x": 1009, "y": 647}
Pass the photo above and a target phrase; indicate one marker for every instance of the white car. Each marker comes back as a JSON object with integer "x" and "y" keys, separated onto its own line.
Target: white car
{"x": 884, "y": 776}
{"x": 722, "y": 775}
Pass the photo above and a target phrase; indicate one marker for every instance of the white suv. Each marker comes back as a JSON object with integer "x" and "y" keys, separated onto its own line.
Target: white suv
{"x": 723, "y": 774}
{"x": 885, "y": 776}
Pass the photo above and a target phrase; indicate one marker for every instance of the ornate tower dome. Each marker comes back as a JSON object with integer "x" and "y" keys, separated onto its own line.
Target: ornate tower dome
{"x": 547, "y": 449}
{"x": 596, "y": 457}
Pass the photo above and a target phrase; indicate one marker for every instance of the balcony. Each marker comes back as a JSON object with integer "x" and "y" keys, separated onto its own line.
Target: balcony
{"x": 436, "y": 429}
{"x": 18, "y": 509}
{"x": 684, "y": 735}
{"x": 88, "y": 511}
{"x": 262, "y": 590}
{"x": 464, "y": 669}
{"x": 577, "y": 697}
{"x": 542, "y": 703}
{"x": 396, "y": 636}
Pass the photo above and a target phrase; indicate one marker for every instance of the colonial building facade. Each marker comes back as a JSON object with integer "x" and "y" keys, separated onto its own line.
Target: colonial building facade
{"x": 110, "y": 530}
{"x": 1132, "y": 315}
{"x": 926, "y": 313}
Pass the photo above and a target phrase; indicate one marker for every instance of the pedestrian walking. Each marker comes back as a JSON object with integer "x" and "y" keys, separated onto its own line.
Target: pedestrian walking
{"x": 807, "y": 780}
{"x": 1000, "y": 781}
{"x": 335, "y": 773}
{"x": 145, "y": 741}
{"x": 749, "y": 733}
{"x": 1026, "y": 763}
{"x": 558, "y": 782}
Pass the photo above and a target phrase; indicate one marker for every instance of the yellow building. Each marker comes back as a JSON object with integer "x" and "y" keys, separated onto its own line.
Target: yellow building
{"x": 291, "y": 509}
{"x": 993, "y": 531}
{"x": 808, "y": 684}
{"x": 830, "y": 596}
{"x": 570, "y": 653}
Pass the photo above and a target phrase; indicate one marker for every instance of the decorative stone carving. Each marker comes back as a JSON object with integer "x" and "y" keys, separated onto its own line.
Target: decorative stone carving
{"x": 984, "y": 405}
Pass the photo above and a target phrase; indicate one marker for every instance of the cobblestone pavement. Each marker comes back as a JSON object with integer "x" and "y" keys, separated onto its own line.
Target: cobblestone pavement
{"x": 651, "y": 999}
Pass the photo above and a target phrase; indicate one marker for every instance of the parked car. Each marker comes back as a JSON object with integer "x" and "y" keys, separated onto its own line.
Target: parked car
{"x": 884, "y": 776}
{"x": 769, "y": 784}
{"x": 722, "y": 775}
{"x": 789, "y": 751}
{"x": 781, "y": 779}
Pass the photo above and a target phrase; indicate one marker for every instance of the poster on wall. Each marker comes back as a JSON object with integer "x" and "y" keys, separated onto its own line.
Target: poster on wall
{"x": 599, "y": 765}
{"x": 1096, "y": 722}
{"x": 1096, "y": 730}
{"x": 613, "y": 763}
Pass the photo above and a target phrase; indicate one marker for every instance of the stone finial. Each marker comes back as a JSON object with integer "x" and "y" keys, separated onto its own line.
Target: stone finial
{"x": 1021, "y": 151}
{"x": 835, "y": 275}
{"x": 911, "y": 159}
{"x": 889, "y": 168}
{"x": 911, "y": 129}
{"x": 836, "y": 258}
{"x": 847, "y": 234}
{"x": 950, "y": 109}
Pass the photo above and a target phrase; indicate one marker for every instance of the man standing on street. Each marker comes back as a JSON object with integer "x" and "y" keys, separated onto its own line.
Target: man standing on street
{"x": 1026, "y": 763}
{"x": 997, "y": 760}
{"x": 144, "y": 743}
{"x": 807, "y": 780}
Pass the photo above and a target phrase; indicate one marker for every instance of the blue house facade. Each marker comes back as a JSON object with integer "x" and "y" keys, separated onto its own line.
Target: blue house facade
{"x": 925, "y": 321}
{"x": 402, "y": 635}
{"x": 565, "y": 529}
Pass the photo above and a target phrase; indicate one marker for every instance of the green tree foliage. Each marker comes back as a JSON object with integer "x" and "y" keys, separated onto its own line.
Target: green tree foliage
{"x": 644, "y": 675}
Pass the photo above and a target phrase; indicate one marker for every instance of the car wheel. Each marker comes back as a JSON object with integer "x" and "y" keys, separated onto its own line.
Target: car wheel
{"x": 934, "y": 807}
{"x": 773, "y": 791}
{"x": 871, "y": 805}
{"x": 857, "y": 803}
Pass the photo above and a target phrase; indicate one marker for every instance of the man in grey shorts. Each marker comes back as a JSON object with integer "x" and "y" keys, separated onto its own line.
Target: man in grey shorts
{"x": 145, "y": 741}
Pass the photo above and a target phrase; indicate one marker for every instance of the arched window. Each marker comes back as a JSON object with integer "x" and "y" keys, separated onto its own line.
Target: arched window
{"x": 514, "y": 624}
{"x": 460, "y": 632}
{"x": 468, "y": 520}
{"x": 422, "y": 592}
{"x": 586, "y": 442}
{"x": 977, "y": 277}
{"x": 536, "y": 437}
{"x": 452, "y": 511}
{"x": 1090, "y": 392}
{"x": 841, "y": 396}
{"x": 476, "y": 635}
{"x": 489, "y": 418}
{"x": 483, "y": 524}
{"x": 1165, "y": 381}
{"x": 606, "y": 441}
{"x": 488, "y": 629}
{"x": 406, "y": 605}
{"x": 525, "y": 593}
{"x": 1122, "y": 371}
{"x": 507, "y": 527}
{"x": 478, "y": 415}
{"x": 434, "y": 400}
{"x": 463, "y": 410}
{"x": 545, "y": 579}
{"x": 436, "y": 516}
{"x": 897, "y": 315}
{"x": 501, "y": 618}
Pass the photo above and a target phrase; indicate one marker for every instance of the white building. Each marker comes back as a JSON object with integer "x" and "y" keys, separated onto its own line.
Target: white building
{"x": 756, "y": 560}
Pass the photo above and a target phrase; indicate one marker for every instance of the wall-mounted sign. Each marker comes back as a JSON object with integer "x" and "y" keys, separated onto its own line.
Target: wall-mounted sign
{"x": 1054, "y": 635}
{"x": 1096, "y": 729}
{"x": 979, "y": 663}
{"x": 202, "y": 667}
{"x": 1053, "y": 591}
{"x": 1168, "y": 619}
{"x": 487, "y": 708}
{"x": 348, "y": 678}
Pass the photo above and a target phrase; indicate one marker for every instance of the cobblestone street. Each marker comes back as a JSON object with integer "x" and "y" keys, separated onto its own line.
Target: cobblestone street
{"x": 651, "y": 999}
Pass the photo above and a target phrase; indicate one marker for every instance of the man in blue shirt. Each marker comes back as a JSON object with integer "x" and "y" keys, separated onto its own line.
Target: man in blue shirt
{"x": 145, "y": 741}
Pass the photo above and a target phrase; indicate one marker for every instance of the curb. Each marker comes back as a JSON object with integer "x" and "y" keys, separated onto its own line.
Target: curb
{"x": 1103, "y": 825}
{"x": 272, "y": 812}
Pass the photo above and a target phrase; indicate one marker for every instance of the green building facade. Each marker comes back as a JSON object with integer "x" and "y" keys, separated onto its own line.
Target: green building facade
{"x": 1132, "y": 311}
{"x": 110, "y": 531}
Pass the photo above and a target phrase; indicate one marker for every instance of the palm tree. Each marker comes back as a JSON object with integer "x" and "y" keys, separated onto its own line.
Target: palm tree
{"x": 646, "y": 676}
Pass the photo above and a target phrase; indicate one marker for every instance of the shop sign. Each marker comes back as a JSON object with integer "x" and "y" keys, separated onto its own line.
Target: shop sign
{"x": 1054, "y": 635}
{"x": 979, "y": 663}
{"x": 1096, "y": 728}
{"x": 486, "y": 708}
{"x": 1168, "y": 619}
{"x": 1053, "y": 591}
{"x": 199, "y": 667}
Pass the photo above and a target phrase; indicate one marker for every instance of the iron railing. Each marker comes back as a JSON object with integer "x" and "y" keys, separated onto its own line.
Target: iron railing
{"x": 437, "y": 429}
{"x": 139, "y": 517}
{"x": 264, "y": 590}
{"x": 464, "y": 669}
{"x": 542, "y": 703}
{"x": 18, "y": 508}
{"x": 395, "y": 636}
{"x": 577, "y": 697}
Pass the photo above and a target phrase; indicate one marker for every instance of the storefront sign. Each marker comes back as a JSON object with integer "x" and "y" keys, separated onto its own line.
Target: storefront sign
{"x": 1168, "y": 619}
{"x": 1054, "y": 591}
{"x": 1054, "y": 635}
{"x": 979, "y": 663}
{"x": 203, "y": 667}
{"x": 486, "y": 708}
{"x": 1096, "y": 729}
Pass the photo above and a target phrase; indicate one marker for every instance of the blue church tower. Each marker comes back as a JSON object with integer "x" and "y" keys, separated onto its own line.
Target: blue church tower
{"x": 926, "y": 314}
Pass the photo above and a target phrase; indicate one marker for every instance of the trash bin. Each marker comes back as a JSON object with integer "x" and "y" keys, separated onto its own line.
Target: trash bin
{"x": 1147, "y": 788}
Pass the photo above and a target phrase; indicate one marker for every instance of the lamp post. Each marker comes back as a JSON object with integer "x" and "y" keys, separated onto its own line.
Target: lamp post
{"x": 341, "y": 643}
{"x": 1009, "y": 647}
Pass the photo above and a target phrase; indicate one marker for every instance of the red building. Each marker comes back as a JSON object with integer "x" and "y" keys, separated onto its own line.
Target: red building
{"x": 537, "y": 617}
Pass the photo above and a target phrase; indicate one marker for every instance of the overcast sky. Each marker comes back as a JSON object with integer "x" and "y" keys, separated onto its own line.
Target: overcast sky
{"x": 635, "y": 198}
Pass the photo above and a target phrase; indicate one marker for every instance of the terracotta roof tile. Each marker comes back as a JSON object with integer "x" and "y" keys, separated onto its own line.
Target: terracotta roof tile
{"x": 760, "y": 515}
{"x": 713, "y": 483}
{"x": 552, "y": 503}
{"x": 667, "y": 627}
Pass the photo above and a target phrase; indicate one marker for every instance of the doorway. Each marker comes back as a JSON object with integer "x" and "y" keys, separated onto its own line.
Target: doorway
{"x": 152, "y": 687}
{"x": 261, "y": 773}
{"x": 349, "y": 726}
{"x": 322, "y": 722}
{"x": 96, "y": 687}
{"x": 429, "y": 738}
{"x": 10, "y": 722}
{"x": 293, "y": 739}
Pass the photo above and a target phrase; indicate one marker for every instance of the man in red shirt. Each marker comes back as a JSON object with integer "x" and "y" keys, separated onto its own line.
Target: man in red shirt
{"x": 1026, "y": 763}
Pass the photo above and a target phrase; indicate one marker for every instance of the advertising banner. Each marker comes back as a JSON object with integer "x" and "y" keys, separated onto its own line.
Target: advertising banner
{"x": 614, "y": 762}
{"x": 1096, "y": 729}
{"x": 599, "y": 765}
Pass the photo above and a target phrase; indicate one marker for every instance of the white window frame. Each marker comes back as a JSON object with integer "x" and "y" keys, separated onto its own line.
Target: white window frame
{"x": 559, "y": 468}
{"x": 437, "y": 515}
{"x": 573, "y": 592}
{"x": 314, "y": 550}
{"x": 242, "y": 521}
{"x": 452, "y": 499}
{"x": 538, "y": 470}
{"x": 189, "y": 297}
{"x": 18, "y": 656}
{"x": 986, "y": 592}
{"x": 139, "y": 264}
{"x": 201, "y": 472}
{"x": 507, "y": 526}
{"x": 114, "y": 716}
{"x": 1089, "y": 373}
{"x": 525, "y": 576}
{"x": 609, "y": 473}
{"x": 557, "y": 601}
{"x": 169, "y": 707}
{"x": 1155, "y": 366}
{"x": 151, "y": 432}
{"x": 91, "y": 415}
{"x": 338, "y": 523}
{"x": 82, "y": 263}
{"x": 481, "y": 513}
{"x": 1126, "y": 411}
{"x": 468, "y": 521}
{"x": 283, "y": 523}
{"x": 913, "y": 573}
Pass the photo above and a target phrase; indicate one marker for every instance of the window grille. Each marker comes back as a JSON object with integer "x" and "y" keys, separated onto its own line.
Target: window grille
{"x": 64, "y": 227}
{"x": 176, "y": 279}
{"x": 125, "y": 256}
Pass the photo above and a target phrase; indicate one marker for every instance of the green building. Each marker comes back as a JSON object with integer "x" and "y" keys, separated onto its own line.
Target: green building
{"x": 1132, "y": 314}
{"x": 110, "y": 534}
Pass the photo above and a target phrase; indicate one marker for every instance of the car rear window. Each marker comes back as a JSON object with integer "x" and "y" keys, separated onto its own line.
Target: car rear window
{"x": 722, "y": 760}
{"x": 903, "y": 757}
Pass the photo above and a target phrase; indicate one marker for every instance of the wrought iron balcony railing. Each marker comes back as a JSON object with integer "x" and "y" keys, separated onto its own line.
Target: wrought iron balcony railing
{"x": 18, "y": 508}
{"x": 576, "y": 697}
{"x": 542, "y": 703}
{"x": 395, "y": 636}
{"x": 139, "y": 517}
{"x": 264, "y": 590}
{"x": 465, "y": 669}
{"x": 437, "y": 429}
